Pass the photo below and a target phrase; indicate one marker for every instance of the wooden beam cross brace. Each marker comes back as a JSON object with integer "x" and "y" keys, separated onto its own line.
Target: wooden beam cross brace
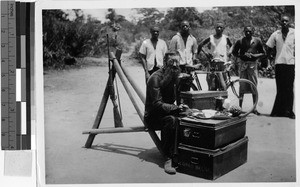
{"x": 129, "y": 85}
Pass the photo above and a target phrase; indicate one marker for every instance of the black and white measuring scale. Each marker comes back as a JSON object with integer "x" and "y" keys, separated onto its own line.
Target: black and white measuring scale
{"x": 14, "y": 103}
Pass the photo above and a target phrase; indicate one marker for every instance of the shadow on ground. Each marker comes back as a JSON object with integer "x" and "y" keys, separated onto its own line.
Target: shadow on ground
{"x": 149, "y": 155}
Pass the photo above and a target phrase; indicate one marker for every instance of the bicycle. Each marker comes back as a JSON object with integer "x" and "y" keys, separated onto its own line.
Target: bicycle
{"x": 232, "y": 86}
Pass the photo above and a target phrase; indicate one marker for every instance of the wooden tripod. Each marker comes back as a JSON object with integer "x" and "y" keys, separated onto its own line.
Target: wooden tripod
{"x": 128, "y": 84}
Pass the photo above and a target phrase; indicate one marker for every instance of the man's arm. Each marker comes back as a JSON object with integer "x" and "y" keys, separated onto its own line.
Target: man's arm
{"x": 271, "y": 43}
{"x": 268, "y": 54}
{"x": 229, "y": 44}
{"x": 260, "y": 49}
{"x": 173, "y": 44}
{"x": 156, "y": 98}
{"x": 145, "y": 66}
{"x": 194, "y": 51}
{"x": 204, "y": 42}
{"x": 236, "y": 49}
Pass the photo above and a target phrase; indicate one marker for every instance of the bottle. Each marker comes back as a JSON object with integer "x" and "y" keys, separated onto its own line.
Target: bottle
{"x": 219, "y": 103}
{"x": 226, "y": 104}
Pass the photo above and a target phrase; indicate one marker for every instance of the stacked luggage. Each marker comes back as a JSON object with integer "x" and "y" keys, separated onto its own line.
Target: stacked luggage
{"x": 210, "y": 148}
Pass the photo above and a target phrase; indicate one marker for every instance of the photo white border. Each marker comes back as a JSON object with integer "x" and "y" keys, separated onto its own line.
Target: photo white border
{"x": 104, "y": 4}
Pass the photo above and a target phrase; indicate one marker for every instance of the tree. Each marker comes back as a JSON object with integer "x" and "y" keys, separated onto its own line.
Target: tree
{"x": 265, "y": 19}
{"x": 119, "y": 30}
{"x": 54, "y": 22}
{"x": 175, "y": 16}
{"x": 149, "y": 17}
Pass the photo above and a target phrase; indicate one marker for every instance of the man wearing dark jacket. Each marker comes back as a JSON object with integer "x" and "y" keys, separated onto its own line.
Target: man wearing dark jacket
{"x": 160, "y": 110}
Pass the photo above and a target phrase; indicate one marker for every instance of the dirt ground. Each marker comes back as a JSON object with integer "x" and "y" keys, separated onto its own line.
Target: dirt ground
{"x": 72, "y": 99}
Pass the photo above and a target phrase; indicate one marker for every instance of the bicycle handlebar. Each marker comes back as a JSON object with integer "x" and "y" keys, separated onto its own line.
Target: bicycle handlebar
{"x": 194, "y": 67}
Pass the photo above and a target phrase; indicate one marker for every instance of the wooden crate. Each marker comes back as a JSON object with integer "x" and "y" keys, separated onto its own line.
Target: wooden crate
{"x": 201, "y": 99}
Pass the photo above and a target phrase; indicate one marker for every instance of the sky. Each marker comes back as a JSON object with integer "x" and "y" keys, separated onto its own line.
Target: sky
{"x": 128, "y": 13}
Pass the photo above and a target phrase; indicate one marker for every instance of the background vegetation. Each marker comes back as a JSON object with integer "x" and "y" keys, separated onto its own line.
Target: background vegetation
{"x": 66, "y": 40}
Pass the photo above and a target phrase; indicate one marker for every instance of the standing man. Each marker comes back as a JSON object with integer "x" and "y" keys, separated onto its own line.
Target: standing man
{"x": 284, "y": 40}
{"x": 219, "y": 45}
{"x": 152, "y": 52}
{"x": 185, "y": 44}
{"x": 160, "y": 110}
{"x": 249, "y": 49}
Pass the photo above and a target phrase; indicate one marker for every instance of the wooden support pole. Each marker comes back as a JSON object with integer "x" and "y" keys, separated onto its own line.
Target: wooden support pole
{"x": 115, "y": 130}
{"x": 134, "y": 85}
{"x": 127, "y": 87}
{"x": 129, "y": 91}
{"x": 99, "y": 116}
{"x": 117, "y": 116}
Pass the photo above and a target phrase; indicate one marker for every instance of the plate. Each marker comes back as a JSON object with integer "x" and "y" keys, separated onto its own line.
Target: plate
{"x": 203, "y": 114}
{"x": 209, "y": 113}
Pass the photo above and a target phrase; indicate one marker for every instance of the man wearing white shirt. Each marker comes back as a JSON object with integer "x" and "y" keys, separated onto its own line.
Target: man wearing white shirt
{"x": 152, "y": 53}
{"x": 284, "y": 41}
{"x": 185, "y": 44}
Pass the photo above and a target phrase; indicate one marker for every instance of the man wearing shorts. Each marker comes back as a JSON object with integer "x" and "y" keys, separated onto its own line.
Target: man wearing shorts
{"x": 249, "y": 49}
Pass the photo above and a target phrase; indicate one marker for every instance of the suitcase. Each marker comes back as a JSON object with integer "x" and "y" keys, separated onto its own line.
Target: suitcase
{"x": 209, "y": 133}
{"x": 201, "y": 99}
{"x": 211, "y": 164}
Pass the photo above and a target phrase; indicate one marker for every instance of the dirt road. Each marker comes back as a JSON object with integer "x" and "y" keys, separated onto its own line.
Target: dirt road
{"x": 72, "y": 99}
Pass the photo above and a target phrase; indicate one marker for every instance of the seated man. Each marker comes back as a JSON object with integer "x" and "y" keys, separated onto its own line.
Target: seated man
{"x": 160, "y": 110}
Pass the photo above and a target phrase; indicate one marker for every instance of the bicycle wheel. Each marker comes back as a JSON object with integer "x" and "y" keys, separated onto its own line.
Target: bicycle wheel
{"x": 246, "y": 101}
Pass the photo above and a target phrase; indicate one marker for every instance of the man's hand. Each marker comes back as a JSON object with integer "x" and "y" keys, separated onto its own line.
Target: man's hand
{"x": 269, "y": 67}
{"x": 249, "y": 55}
{"x": 196, "y": 61}
{"x": 184, "y": 110}
{"x": 183, "y": 107}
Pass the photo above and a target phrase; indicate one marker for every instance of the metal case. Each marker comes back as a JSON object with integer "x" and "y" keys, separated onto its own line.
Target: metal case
{"x": 211, "y": 164}
{"x": 211, "y": 134}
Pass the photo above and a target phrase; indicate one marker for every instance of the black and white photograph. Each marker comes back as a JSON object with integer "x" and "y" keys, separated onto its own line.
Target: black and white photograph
{"x": 178, "y": 93}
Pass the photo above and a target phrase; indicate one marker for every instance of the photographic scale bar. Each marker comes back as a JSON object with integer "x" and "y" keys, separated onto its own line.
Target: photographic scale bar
{"x": 15, "y": 76}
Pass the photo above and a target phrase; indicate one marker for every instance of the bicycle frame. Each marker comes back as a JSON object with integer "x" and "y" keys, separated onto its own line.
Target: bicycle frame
{"x": 229, "y": 82}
